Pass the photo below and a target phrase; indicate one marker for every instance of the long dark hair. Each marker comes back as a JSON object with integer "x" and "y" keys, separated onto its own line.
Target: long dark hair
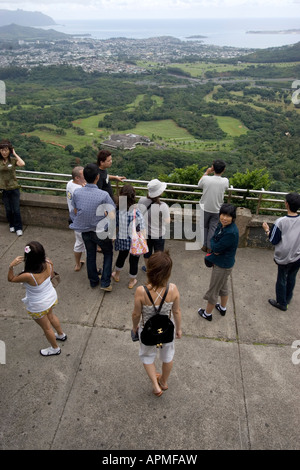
{"x": 159, "y": 268}
{"x": 3, "y": 144}
{"x": 34, "y": 258}
{"x": 128, "y": 191}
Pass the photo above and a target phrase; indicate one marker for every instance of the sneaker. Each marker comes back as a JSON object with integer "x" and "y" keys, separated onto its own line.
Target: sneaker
{"x": 107, "y": 289}
{"x": 202, "y": 313}
{"x": 50, "y": 351}
{"x": 63, "y": 337}
{"x": 12, "y": 229}
{"x": 144, "y": 269}
{"x": 221, "y": 310}
{"x": 277, "y": 305}
{"x": 19, "y": 233}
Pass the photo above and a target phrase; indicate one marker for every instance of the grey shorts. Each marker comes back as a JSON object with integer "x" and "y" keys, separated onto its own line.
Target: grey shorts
{"x": 218, "y": 284}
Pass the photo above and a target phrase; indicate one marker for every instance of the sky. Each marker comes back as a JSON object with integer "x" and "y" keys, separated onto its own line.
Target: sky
{"x": 131, "y": 9}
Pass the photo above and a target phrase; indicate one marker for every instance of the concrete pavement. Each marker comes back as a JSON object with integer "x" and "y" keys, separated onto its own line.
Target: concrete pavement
{"x": 233, "y": 386}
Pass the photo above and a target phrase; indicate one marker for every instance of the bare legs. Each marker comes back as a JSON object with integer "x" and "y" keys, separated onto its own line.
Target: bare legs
{"x": 151, "y": 371}
{"x": 78, "y": 262}
{"x": 46, "y": 323}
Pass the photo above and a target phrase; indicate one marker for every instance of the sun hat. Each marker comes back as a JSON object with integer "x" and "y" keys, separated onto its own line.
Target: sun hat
{"x": 156, "y": 188}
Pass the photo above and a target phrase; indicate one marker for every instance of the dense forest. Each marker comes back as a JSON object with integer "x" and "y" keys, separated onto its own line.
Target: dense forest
{"x": 57, "y": 100}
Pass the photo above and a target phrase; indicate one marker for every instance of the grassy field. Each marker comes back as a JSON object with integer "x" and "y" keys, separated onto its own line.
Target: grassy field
{"x": 165, "y": 132}
{"x": 233, "y": 127}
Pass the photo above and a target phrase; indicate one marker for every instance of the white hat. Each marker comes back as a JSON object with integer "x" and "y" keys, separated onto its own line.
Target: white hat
{"x": 156, "y": 188}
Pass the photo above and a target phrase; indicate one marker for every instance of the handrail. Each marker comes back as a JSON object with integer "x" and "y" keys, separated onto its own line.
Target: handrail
{"x": 258, "y": 197}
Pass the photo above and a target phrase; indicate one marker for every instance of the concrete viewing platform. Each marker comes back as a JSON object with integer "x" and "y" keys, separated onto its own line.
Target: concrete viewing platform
{"x": 234, "y": 384}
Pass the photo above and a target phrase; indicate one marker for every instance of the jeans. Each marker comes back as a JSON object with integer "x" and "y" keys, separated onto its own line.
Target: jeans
{"x": 91, "y": 242}
{"x": 211, "y": 220}
{"x": 11, "y": 201}
{"x": 286, "y": 280}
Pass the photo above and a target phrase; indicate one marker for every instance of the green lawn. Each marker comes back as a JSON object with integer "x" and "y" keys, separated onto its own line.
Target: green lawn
{"x": 166, "y": 129}
{"x": 233, "y": 127}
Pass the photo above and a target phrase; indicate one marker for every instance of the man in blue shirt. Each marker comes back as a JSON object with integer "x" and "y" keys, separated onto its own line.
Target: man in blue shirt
{"x": 94, "y": 218}
{"x": 285, "y": 236}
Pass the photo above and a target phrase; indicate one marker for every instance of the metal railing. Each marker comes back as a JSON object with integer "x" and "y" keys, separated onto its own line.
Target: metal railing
{"x": 259, "y": 200}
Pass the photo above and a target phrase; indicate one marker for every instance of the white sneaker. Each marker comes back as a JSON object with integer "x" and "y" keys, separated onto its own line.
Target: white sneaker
{"x": 12, "y": 229}
{"x": 19, "y": 233}
{"x": 50, "y": 351}
{"x": 63, "y": 337}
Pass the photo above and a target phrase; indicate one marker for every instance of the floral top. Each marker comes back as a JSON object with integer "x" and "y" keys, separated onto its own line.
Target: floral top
{"x": 124, "y": 227}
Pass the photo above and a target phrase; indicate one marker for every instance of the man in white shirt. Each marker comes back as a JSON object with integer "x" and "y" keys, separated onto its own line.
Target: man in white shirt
{"x": 76, "y": 182}
{"x": 211, "y": 200}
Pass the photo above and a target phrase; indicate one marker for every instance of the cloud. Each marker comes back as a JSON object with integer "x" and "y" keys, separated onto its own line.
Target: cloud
{"x": 154, "y": 8}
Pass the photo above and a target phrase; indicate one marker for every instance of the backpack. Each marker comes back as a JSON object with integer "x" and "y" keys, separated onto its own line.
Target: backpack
{"x": 159, "y": 329}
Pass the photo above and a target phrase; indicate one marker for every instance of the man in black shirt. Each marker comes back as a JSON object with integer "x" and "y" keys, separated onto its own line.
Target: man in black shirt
{"x": 104, "y": 161}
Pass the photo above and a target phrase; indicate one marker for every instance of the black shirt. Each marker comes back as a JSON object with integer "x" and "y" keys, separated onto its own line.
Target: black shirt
{"x": 104, "y": 183}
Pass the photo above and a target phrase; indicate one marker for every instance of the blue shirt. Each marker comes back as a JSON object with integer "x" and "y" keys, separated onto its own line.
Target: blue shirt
{"x": 224, "y": 242}
{"x": 91, "y": 204}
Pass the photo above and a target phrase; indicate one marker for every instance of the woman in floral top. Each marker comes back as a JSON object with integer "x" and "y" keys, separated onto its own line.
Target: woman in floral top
{"x": 127, "y": 214}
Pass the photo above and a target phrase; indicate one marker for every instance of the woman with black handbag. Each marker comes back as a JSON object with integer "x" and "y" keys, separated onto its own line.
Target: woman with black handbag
{"x": 157, "y": 298}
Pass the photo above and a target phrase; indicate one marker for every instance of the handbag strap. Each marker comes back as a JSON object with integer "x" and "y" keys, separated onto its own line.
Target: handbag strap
{"x": 157, "y": 310}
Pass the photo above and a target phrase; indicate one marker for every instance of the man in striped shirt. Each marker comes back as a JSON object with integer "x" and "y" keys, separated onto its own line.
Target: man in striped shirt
{"x": 285, "y": 236}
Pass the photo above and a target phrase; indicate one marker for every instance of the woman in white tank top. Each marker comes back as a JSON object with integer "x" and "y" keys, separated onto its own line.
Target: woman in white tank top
{"x": 40, "y": 294}
{"x": 158, "y": 273}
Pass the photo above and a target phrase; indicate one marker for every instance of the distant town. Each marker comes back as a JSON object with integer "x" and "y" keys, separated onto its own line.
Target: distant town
{"x": 116, "y": 55}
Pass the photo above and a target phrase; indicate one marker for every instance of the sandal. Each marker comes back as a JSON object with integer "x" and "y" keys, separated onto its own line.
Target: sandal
{"x": 113, "y": 275}
{"x": 80, "y": 266}
{"x": 158, "y": 394}
{"x": 164, "y": 388}
{"x": 131, "y": 285}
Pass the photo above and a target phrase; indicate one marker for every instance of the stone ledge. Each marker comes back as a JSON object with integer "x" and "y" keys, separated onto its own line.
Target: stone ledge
{"x": 52, "y": 211}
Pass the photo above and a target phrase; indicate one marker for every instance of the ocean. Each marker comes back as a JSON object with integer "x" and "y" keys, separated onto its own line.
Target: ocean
{"x": 220, "y": 32}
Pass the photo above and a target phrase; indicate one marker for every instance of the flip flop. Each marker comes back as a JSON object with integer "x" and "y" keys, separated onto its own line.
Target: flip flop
{"x": 81, "y": 264}
{"x": 158, "y": 394}
{"x": 113, "y": 276}
{"x": 158, "y": 376}
{"x": 131, "y": 286}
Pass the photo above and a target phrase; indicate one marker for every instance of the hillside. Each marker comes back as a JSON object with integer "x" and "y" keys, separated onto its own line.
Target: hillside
{"x": 14, "y": 32}
{"x": 25, "y": 18}
{"x": 274, "y": 55}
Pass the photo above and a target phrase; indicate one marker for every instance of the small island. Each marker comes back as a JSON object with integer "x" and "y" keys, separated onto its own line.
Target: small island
{"x": 196, "y": 36}
{"x": 286, "y": 31}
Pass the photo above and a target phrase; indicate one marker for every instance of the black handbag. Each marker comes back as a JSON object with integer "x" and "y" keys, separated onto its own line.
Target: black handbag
{"x": 208, "y": 263}
{"x": 158, "y": 329}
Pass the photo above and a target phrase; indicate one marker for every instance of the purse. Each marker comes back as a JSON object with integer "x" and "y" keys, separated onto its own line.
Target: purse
{"x": 138, "y": 244}
{"x": 55, "y": 279}
{"x": 159, "y": 329}
{"x": 208, "y": 263}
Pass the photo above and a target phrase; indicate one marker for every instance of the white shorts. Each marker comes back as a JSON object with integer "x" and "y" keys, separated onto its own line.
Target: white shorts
{"x": 148, "y": 354}
{"x": 79, "y": 246}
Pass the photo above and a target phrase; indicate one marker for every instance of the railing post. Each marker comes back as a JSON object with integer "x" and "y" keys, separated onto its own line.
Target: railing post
{"x": 259, "y": 202}
{"x": 229, "y": 196}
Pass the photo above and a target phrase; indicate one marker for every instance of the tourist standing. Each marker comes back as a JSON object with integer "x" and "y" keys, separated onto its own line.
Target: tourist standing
{"x": 9, "y": 185}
